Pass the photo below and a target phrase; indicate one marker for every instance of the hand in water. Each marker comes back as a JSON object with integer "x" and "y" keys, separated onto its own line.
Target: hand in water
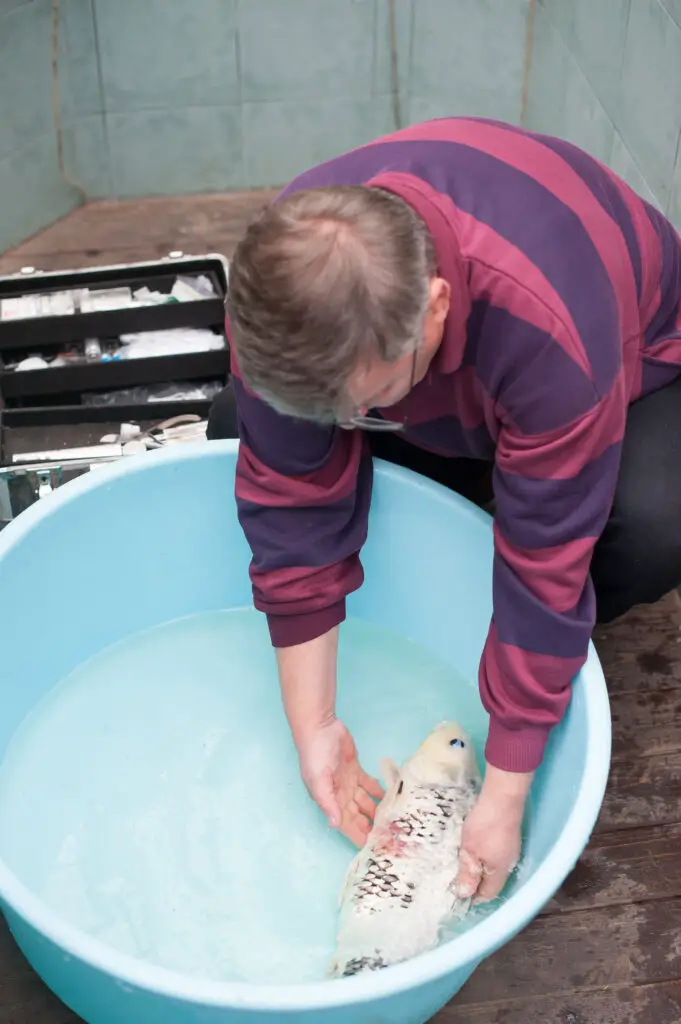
{"x": 491, "y": 839}
{"x": 336, "y": 781}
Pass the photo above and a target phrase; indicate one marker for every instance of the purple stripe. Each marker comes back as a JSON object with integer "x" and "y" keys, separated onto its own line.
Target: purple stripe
{"x": 524, "y": 368}
{"x": 605, "y": 191}
{"x": 670, "y": 276}
{"x": 656, "y": 375}
{"x": 308, "y": 536}
{"x": 525, "y": 622}
{"x": 599, "y": 183}
{"x": 498, "y": 195}
{"x": 287, "y": 445}
{"x": 538, "y": 514}
{"x": 450, "y": 438}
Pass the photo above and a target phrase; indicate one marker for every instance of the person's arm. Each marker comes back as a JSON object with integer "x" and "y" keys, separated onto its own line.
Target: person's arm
{"x": 303, "y": 494}
{"x": 557, "y": 463}
{"x": 554, "y": 492}
{"x": 307, "y": 673}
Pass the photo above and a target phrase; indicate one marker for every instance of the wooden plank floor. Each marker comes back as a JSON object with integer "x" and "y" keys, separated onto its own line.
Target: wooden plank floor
{"x": 607, "y": 949}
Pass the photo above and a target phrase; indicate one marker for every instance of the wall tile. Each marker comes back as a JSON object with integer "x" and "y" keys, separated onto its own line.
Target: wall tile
{"x": 11, "y": 5}
{"x": 321, "y": 130}
{"x": 674, "y": 8}
{"x": 197, "y": 149}
{"x": 674, "y": 208}
{"x": 467, "y": 57}
{"x": 79, "y": 71}
{"x": 595, "y": 32}
{"x": 649, "y": 118}
{"x": 560, "y": 100}
{"x": 156, "y": 54}
{"x": 623, "y": 163}
{"x": 86, "y": 155}
{"x": 33, "y": 193}
{"x": 306, "y": 48}
{"x": 26, "y": 70}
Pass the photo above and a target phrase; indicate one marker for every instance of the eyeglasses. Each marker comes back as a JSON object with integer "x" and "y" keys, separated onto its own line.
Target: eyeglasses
{"x": 377, "y": 423}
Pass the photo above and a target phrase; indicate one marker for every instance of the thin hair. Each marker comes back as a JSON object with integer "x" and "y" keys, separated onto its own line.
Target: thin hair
{"x": 323, "y": 281}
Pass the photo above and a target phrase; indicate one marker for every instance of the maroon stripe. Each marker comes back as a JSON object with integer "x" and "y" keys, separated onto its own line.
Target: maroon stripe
{"x": 289, "y": 630}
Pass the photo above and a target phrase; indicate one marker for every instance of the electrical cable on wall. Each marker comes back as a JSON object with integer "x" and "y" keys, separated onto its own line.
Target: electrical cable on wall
{"x": 527, "y": 60}
{"x": 394, "y": 66}
{"x": 56, "y": 104}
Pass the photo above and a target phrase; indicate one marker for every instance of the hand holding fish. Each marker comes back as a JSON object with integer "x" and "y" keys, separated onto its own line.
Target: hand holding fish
{"x": 491, "y": 838}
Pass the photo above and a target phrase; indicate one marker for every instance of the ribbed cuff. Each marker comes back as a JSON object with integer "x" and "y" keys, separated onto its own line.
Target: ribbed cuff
{"x": 289, "y": 630}
{"x": 515, "y": 750}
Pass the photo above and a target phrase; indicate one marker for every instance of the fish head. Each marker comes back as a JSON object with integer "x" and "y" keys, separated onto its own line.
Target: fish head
{"x": 446, "y": 755}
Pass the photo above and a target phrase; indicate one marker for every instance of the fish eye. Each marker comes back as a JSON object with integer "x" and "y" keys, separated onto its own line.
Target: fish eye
{"x": 457, "y": 743}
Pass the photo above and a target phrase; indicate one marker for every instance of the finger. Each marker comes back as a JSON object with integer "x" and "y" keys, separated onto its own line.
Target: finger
{"x": 371, "y": 785}
{"x": 493, "y": 881}
{"x": 324, "y": 795}
{"x": 356, "y": 828}
{"x": 470, "y": 875}
{"x": 365, "y": 804}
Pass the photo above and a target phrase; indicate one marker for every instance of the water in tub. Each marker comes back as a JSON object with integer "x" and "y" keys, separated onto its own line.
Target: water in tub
{"x": 153, "y": 798}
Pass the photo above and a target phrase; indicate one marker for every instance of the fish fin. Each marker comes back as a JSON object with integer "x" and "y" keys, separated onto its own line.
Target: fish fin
{"x": 390, "y": 772}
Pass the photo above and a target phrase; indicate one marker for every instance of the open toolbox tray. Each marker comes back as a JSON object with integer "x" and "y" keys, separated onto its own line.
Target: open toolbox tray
{"x": 55, "y": 331}
{"x": 71, "y": 380}
{"x": 39, "y": 397}
{"x": 87, "y": 416}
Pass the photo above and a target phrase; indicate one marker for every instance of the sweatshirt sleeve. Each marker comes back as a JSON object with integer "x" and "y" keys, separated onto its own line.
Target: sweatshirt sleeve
{"x": 554, "y": 480}
{"x": 302, "y": 494}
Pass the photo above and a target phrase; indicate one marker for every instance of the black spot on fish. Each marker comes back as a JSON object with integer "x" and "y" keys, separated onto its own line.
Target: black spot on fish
{"x": 363, "y": 963}
{"x": 400, "y": 788}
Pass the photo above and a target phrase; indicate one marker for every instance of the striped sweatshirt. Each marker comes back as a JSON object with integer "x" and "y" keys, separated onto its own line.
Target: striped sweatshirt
{"x": 565, "y": 289}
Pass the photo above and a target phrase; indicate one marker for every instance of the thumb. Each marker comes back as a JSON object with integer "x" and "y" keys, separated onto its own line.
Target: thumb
{"x": 469, "y": 877}
{"x": 323, "y": 794}
{"x": 491, "y": 885}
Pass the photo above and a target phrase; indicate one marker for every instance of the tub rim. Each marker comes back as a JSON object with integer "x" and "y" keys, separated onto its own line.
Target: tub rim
{"x": 459, "y": 953}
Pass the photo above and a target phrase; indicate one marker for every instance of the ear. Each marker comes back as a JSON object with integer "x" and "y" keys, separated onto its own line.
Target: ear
{"x": 390, "y": 773}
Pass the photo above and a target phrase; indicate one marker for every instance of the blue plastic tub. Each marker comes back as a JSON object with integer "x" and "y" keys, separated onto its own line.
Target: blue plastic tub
{"x": 73, "y": 582}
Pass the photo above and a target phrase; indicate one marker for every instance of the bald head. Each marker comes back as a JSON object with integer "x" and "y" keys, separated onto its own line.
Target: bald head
{"x": 324, "y": 280}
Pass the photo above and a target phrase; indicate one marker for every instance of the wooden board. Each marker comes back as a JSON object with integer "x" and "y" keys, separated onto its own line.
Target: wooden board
{"x": 625, "y": 1004}
{"x": 139, "y": 229}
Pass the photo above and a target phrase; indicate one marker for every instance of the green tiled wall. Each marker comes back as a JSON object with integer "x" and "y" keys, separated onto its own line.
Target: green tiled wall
{"x": 167, "y": 96}
{"x": 32, "y": 192}
{"x": 196, "y": 95}
{"x": 606, "y": 74}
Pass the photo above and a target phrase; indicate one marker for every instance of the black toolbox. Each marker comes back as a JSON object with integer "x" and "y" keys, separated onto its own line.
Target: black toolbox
{"x": 69, "y": 393}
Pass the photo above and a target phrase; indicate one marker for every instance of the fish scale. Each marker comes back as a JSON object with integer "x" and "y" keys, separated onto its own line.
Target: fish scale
{"x": 398, "y": 894}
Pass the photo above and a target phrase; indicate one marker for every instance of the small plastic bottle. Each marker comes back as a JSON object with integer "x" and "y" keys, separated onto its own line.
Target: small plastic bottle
{"x": 93, "y": 350}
